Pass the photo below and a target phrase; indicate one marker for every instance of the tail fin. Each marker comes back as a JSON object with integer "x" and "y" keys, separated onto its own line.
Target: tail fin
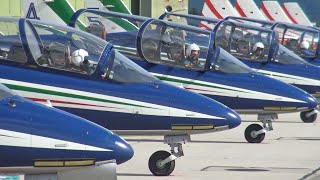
{"x": 58, "y": 11}
{"x": 218, "y": 9}
{"x": 248, "y": 8}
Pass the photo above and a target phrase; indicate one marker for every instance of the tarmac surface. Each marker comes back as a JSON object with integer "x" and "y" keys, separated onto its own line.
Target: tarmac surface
{"x": 290, "y": 151}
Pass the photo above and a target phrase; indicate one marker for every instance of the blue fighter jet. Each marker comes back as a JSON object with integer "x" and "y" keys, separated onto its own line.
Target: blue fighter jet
{"x": 84, "y": 75}
{"x": 161, "y": 47}
{"x": 35, "y": 138}
{"x": 302, "y": 40}
{"x": 275, "y": 60}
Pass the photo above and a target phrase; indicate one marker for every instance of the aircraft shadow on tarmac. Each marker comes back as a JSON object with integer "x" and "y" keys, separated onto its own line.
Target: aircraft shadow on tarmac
{"x": 254, "y": 169}
{"x": 288, "y": 121}
{"x": 131, "y": 174}
{"x": 300, "y": 138}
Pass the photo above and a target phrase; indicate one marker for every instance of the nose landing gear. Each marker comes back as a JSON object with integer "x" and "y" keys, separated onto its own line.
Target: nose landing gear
{"x": 162, "y": 163}
{"x": 309, "y": 116}
{"x": 255, "y": 133}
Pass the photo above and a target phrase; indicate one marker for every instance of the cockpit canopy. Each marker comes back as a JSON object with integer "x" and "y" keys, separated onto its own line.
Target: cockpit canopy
{"x": 32, "y": 42}
{"x": 302, "y": 41}
{"x": 117, "y": 28}
{"x": 63, "y": 48}
{"x": 243, "y": 41}
{"x": 182, "y": 46}
{"x": 10, "y": 42}
{"x": 162, "y": 42}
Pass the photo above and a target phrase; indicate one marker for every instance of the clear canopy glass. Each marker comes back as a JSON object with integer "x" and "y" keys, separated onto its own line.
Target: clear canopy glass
{"x": 285, "y": 56}
{"x": 11, "y": 48}
{"x": 121, "y": 69}
{"x": 243, "y": 42}
{"x": 225, "y": 62}
{"x": 109, "y": 27}
{"x": 65, "y": 48}
{"x": 302, "y": 42}
{"x": 173, "y": 45}
{"x": 62, "y": 47}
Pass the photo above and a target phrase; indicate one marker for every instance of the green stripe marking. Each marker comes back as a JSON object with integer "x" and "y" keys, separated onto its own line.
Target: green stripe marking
{"x": 31, "y": 89}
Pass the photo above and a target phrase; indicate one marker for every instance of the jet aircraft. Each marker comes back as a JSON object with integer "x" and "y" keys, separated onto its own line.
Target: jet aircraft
{"x": 278, "y": 61}
{"x": 302, "y": 40}
{"x": 84, "y": 75}
{"x": 159, "y": 47}
{"x": 42, "y": 140}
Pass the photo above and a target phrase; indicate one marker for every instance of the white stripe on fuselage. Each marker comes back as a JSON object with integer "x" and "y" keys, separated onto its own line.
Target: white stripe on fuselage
{"x": 155, "y": 110}
{"x": 291, "y": 79}
{"x": 18, "y": 139}
{"x": 222, "y": 90}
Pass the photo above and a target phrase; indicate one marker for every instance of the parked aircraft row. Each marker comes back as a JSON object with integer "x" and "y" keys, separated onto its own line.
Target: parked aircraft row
{"x": 289, "y": 12}
{"x": 103, "y": 86}
{"x": 158, "y": 46}
{"x": 85, "y": 75}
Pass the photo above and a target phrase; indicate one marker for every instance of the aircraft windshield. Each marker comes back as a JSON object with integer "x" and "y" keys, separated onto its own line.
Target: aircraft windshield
{"x": 244, "y": 43}
{"x": 120, "y": 30}
{"x": 285, "y": 56}
{"x": 63, "y": 48}
{"x": 225, "y": 62}
{"x": 5, "y": 92}
{"x": 10, "y": 43}
{"x": 165, "y": 44}
{"x": 303, "y": 43}
{"x": 120, "y": 69}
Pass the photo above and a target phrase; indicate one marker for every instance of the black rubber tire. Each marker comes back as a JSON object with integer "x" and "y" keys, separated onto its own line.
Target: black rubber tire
{"x": 310, "y": 119}
{"x": 166, "y": 169}
{"x": 251, "y": 128}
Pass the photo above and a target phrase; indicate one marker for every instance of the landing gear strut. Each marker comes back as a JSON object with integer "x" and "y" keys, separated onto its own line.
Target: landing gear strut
{"x": 255, "y": 133}
{"x": 162, "y": 163}
{"x": 309, "y": 116}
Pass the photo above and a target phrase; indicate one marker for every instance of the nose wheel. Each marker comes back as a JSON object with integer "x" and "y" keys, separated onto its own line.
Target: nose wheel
{"x": 162, "y": 163}
{"x": 156, "y": 166}
{"x": 252, "y": 134}
{"x": 256, "y": 133}
{"x": 309, "y": 116}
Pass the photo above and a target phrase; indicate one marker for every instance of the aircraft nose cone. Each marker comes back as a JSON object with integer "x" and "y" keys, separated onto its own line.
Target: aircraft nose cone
{"x": 234, "y": 119}
{"x": 122, "y": 150}
{"x": 312, "y": 101}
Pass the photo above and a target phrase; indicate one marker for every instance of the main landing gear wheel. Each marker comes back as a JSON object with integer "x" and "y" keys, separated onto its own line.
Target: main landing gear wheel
{"x": 308, "y": 116}
{"x": 251, "y": 134}
{"x": 159, "y": 169}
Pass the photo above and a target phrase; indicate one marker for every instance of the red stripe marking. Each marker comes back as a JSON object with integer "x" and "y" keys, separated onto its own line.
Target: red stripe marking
{"x": 238, "y": 8}
{"x": 213, "y": 10}
{"x": 288, "y": 14}
{"x": 194, "y": 89}
{"x": 264, "y": 9}
{"x": 64, "y": 102}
